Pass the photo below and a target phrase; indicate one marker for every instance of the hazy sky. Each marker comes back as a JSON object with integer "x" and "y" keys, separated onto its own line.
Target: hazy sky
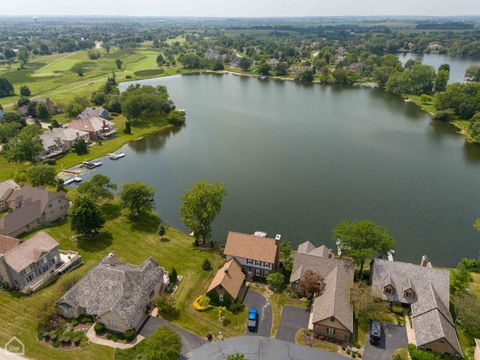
{"x": 240, "y": 8}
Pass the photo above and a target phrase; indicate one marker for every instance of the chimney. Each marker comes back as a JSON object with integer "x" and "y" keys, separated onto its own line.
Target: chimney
{"x": 425, "y": 262}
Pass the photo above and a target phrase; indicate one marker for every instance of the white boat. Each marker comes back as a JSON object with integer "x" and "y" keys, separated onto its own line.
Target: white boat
{"x": 116, "y": 156}
{"x": 92, "y": 164}
{"x": 72, "y": 180}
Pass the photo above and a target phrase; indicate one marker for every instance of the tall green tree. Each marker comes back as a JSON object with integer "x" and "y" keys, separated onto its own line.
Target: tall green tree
{"x": 264, "y": 69}
{"x": 25, "y": 90}
{"x": 145, "y": 102}
{"x": 6, "y": 88}
{"x": 86, "y": 217}
{"x": 363, "y": 240}
{"x": 200, "y": 206}
{"x": 245, "y": 63}
{"x": 26, "y": 146}
{"x": 473, "y": 73}
{"x": 99, "y": 187}
{"x": 41, "y": 175}
{"x": 42, "y": 112}
{"x": 119, "y": 63}
{"x": 78, "y": 69}
{"x": 441, "y": 80}
{"x": 138, "y": 197}
{"x": 163, "y": 344}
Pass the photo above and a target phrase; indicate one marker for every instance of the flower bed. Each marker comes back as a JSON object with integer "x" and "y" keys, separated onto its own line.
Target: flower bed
{"x": 202, "y": 303}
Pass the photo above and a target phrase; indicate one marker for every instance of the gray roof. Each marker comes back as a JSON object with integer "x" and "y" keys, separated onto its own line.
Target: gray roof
{"x": 430, "y": 305}
{"x": 57, "y": 136}
{"x": 113, "y": 286}
{"x": 7, "y": 188}
{"x": 338, "y": 274}
{"x": 90, "y": 112}
{"x": 259, "y": 348}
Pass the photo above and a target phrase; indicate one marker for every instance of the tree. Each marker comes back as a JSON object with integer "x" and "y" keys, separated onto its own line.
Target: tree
{"x": 78, "y": 69}
{"x": 77, "y": 105}
{"x": 281, "y": 69}
{"x": 207, "y": 265}
{"x": 99, "y": 187}
{"x": 138, "y": 197}
{"x": 305, "y": 76}
{"x": 442, "y": 80}
{"x": 128, "y": 127}
{"x": 163, "y": 344}
{"x": 311, "y": 284}
{"x": 166, "y": 307}
{"x": 285, "y": 249}
{"x": 264, "y": 69}
{"x": 41, "y": 175}
{"x": 172, "y": 275}
{"x": 365, "y": 306}
{"x": 190, "y": 61}
{"x": 107, "y": 47}
{"x": 93, "y": 54}
{"x": 6, "y": 88}
{"x": 119, "y": 63}
{"x": 473, "y": 73}
{"x": 275, "y": 281}
{"x": 25, "y": 146}
{"x": 467, "y": 309}
{"x": 23, "y": 101}
{"x": 363, "y": 240}
{"x": 25, "y": 90}
{"x": 161, "y": 230}
{"x": 146, "y": 102}
{"x": 245, "y": 63}
{"x": 236, "y": 356}
{"x": 160, "y": 60}
{"x": 80, "y": 147}
{"x": 460, "y": 279}
{"x": 200, "y": 206}
{"x": 8, "y": 130}
{"x": 42, "y": 112}
{"x": 86, "y": 217}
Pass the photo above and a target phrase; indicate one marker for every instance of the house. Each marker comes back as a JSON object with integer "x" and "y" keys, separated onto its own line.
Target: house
{"x": 30, "y": 264}
{"x": 299, "y": 68}
{"x": 427, "y": 292}
{"x": 90, "y": 112}
{"x": 29, "y": 109}
{"x": 96, "y": 127}
{"x": 32, "y": 207}
{"x": 7, "y": 189}
{"x": 331, "y": 314}
{"x": 273, "y": 62}
{"x": 212, "y": 54}
{"x": 59, "y": 140}
{"x": 257, "y": 255}
{"x": 116, "y": 294}
{"x": 235, "y": 60}
{"x": 228, "y": 284}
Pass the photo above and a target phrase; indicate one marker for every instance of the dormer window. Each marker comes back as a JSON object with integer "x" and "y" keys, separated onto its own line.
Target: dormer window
{"x": 408, "y": 294}
{"x": 389, "y": 290}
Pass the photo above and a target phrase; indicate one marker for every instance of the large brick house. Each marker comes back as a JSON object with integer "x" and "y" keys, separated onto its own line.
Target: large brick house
{"x": 257, "y": 255}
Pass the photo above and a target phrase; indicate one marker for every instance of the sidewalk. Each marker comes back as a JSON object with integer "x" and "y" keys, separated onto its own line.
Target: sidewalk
{"x": 116, "y": 345}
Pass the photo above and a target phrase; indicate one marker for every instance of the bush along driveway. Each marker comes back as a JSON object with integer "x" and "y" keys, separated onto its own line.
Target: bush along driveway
{"x": 256, "y": 300}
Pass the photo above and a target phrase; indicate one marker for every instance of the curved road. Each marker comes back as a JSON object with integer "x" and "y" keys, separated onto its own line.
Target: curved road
{"x": 256, "y": 300}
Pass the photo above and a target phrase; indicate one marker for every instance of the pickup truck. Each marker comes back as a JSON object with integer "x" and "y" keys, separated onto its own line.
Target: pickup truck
{"x": 252, "y": 319}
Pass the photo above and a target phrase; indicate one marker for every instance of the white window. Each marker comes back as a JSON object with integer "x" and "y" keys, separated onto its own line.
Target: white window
{"x": 220, "y": 298}
{"x": 330, "y": 331}
{"x": 257, "y": 272}
{"x": 112, "y": 323}
{"x": 249, "y": 261}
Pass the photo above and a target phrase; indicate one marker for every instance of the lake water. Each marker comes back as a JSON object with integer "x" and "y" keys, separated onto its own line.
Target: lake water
{"x": 458, "y": 65}
{"x": 297, "y": 159}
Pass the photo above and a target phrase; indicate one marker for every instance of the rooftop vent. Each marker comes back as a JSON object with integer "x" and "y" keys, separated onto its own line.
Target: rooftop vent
{"x": 278, "y": 237}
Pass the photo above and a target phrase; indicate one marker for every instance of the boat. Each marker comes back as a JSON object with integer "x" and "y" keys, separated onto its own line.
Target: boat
{"x": 92, "y": 164}
{"x": 116, "y": 156}
{"x": 72, "y": 180}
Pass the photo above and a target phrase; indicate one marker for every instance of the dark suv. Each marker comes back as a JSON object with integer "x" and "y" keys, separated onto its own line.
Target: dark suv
{"x": 375, "y": 333}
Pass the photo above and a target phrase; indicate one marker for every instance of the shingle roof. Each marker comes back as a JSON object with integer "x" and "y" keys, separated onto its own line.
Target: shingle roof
{"x": 7, "y": 188}
{"x": 113, "y": 286}
{"x": 30, "y": 251}
{"x": 90, "y": 112}
{"x": 230, "y": 277}
{"x": 251, "y": 247}
{"x": 7, "y": 243}
{"x": 92, "y": 124}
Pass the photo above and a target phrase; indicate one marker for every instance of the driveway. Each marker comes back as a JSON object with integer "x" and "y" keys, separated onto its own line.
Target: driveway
{"x": 293, "y": 318}
{"x": 256, "y": 300}
{"x": 393, "y": 338}
{"x": 189, "y": 340}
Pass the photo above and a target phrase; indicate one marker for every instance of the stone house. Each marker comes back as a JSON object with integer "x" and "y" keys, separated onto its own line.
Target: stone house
{"x": 426, "y": 291}
{"x": 90, "y": 112}
{"x": 29, "y": 108}
{"x": 32, "y": 207}
{"x": 116, "y": 294}
{"x": 331, "y": 315}
{"x": 257, "y": 255}
{"x": 7, "y": 189}
{"x": 60, "y": 140}
{"x": 228, "y": 284}
{"x": 96, "y": 127}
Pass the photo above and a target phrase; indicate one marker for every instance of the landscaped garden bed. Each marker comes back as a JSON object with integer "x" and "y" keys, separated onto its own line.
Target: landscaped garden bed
{"x": 66, "y": 334}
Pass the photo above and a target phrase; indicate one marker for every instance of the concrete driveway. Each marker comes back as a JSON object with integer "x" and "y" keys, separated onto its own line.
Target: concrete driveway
{"x": 293, "y": 318}
{"x": 256, "y": 300}
{"x": 393, "y": 338}
{"x": 189, "y": 340}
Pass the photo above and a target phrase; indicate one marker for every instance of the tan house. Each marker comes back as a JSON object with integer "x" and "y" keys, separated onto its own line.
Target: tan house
{"x": 228, "y": 284}
{"x": 331, "y": 315}
{"x": 257, "y": 255}
{"x": 7, "y": 189}
{"x": 32, "y": 207}
{"x": 116, "y": 294}
{"x": 426, "y": 291}
{"x": 97, "y": 128}
{"x": 59, "y": 140}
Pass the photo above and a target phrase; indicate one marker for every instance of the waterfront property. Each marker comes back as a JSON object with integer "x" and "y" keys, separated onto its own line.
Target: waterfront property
{"x": 90, "y": 112}
{"x": 116, "y": 294}
{"x": 32, "y": 207}
{"x": 257, "y": 255}
{"x": 228, "y": 284}
{"x": 57, "y": 141}
{"x": 96, "y": 127}
{"x": 427, "y": 292}
{"x": 7, "y": 189}
{"x": 30, "y": 264}
{"x": 331, "y": 314}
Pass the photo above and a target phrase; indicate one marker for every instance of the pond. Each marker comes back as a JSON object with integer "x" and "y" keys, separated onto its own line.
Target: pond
{"x": 297, "y": 159}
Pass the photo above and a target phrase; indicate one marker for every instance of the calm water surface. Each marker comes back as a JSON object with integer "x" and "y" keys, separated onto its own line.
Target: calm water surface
{"x": 296, "y": 160}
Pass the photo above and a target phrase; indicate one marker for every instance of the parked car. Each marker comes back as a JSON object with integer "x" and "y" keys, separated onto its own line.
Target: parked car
{"x": 252, "y": 319}
{"x": 375, "y": 333}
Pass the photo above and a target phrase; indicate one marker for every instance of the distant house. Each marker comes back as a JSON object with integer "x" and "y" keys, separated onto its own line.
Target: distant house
{"x": 7, "y": 189}
{"x": 299, "y": 68}
{"x": 273, "y": 62}
{"x": 427, "y": 291}
{"x": 96, "y": 127}
{"x": 212, "y": 54}
{"x": 90, "y": 112}
{"x": 355, "y": 67}
{"x": 59, "y": 140}
{"x": 32, "y": 207}
{"x": 228, "y": 284}
{"x": 235, "y": 60}
{"x": 331, "y": 314}
{"x": 116, "y": 294}
{"x": 28, "y": 265}
{"x": 258, "y": 256}
{"x": 28, "y": 109}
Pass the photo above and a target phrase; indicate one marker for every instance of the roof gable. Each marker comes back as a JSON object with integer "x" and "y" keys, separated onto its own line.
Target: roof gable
{"x": 251, "y": 247}
{"x": 230, "y": 277}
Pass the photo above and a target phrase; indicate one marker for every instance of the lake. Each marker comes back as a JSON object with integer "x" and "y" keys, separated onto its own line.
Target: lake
{"x": 298, "y": 159}
{"x": 458, "y": 65}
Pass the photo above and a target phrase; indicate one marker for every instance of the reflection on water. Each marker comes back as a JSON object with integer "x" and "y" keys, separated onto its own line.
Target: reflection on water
{"x": 155, "y": 141}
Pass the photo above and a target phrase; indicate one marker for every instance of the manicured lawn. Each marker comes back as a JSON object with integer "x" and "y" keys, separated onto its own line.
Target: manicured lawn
{"x": 9, "y": 169}
{"x": 428, "y": 106}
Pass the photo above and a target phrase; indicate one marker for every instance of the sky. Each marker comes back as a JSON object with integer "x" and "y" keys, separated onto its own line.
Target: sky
{"x": 240, "y": 8}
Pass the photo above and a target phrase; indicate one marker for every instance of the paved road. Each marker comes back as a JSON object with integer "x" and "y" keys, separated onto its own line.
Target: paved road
{"x": 394, "y": 337}
{"x": 293, "y": 318}
{"x": 189, "y": 340}
{"x": 256, "y": 300}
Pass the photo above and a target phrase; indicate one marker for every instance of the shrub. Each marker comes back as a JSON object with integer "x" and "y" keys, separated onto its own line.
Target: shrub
{"x": 173, "y": 276}
{"x": 167, "y": 308}
{"x": 418, "y": 354}
{"x": 444, "y": 115}
{"x": 202, "y": 303}
{"x": 397, "y": 309}
{"x": 74, "y": 322}
{"x": 236, "y": 307}
{"x": 207, "y": 265}
{"x": 85, "y": 319}
{"x": 50, "y": 162}
{"x": 99, "y": 328}
{"x": 129, "y": 335}
{"x": 56, "y": 343}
